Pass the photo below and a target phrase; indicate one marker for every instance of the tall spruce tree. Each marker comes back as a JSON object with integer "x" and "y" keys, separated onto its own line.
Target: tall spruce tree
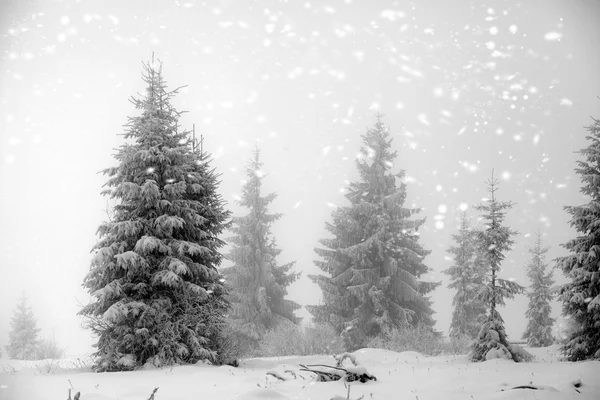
{"x": 581, "y": 296}
{"x": 494, "y": 242}
{"x": 157, "y": 295}
{"x": 539, "y": 327}
{"x": 373, "y": 263}
{"x": 22, "y": 338}
{"x": 258, "y": 285}
{"x": 467, "y": 276}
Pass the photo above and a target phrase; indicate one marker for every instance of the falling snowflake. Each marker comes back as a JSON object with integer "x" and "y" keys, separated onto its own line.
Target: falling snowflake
{"x": 391, "y": 15}
{"x": 566, "y": 102}
{"x": 553, "y": 36}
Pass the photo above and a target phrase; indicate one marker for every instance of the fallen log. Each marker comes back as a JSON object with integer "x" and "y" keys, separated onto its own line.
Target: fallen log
{"x": 337, "y": 373}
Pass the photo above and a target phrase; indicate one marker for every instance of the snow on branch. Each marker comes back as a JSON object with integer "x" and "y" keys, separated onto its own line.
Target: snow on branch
{"x": 148, "y": 244}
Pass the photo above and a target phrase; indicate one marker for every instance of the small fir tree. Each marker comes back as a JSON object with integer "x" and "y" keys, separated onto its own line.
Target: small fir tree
{"x": 373, "y": 264}
{"x": 22, "y": 338}
{"x": 581, "y": 296}
{"x": 467, "y": 276}
{"x": 157, "y": 294}
{"x": 258, "y": 285}
{"x": 494, "y": 242}
{"x": 539, "y": 327}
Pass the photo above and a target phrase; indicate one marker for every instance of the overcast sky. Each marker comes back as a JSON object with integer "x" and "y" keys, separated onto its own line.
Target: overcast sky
{"x": 465, "y": 87}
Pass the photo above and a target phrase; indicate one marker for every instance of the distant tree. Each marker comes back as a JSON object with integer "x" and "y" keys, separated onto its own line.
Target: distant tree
{"x": 494, "y": 242}
{"x": 467, "y": 276}
{"x": 258, "y": 285}
{"x": 581, "y": 296}
{"x": 373, "y": 264}
{"x": 22, "y": 338}
{"x": 539, "y": 327}
{"x": 157, "y": 294}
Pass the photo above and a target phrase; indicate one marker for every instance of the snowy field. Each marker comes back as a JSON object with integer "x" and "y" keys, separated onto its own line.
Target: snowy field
{"x": 405, "y": 375}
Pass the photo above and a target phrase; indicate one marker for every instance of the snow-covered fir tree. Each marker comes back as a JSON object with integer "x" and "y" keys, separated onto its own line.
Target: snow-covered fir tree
{"x": 494, "y": 241}
{"x": 581, "y": 296}
{"x": 22, "y": 338}
{"x": 157, "y": 295}
{"x": 258, "y": 284}
{"x": 373, "y": 264}
{"x": 539, "y": 327}
{"x": 467, "y": 276}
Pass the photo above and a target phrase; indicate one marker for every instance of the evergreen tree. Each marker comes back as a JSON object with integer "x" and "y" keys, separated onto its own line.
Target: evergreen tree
{"x": 581, "y": 296}
{"x": 157, "y": 294}
{"x": 494, "y": 242}
{"x": 373, "y": 263}
{"x": 467, "y": 278}
{"x": 258, "y": 285}
{"x": 22, "y": 338}
{"x": 539, "y": 327}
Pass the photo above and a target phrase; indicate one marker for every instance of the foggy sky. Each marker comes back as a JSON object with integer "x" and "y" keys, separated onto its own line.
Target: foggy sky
{"x": 465, "y": 87}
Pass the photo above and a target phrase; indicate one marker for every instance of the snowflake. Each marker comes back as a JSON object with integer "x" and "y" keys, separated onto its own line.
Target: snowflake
{"x": 553, "y": 36}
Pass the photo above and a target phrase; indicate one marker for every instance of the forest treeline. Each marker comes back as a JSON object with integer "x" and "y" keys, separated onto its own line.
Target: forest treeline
{"x": 162, "y": 294}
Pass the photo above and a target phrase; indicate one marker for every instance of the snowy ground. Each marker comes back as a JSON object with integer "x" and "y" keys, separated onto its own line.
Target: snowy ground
{"x": 405, "y": 375}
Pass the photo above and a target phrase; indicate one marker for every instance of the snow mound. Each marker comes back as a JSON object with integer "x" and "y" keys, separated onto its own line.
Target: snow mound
{"x": 260, "y": 394}
{"x": 406, "y": 375}
{"x": 95, "y": 396}
{"x": 358, "y": 370}
{"x": 381, "y": 356}
{"x": 564, "y": 387}
{"x": 501, "y": 353}
{"x": 273, "y": 362}
{"x": 546, "y": 354}
{"x": 284, "y": 372}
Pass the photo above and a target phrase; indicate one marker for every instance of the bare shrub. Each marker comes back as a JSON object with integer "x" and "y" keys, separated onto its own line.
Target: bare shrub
{"x": 420, "y": 338}
{"x": 457, "y": 345}
{"x": 285, "y": 340}
{"x": 289, "y": 340}
{"x": 47, "y": 367}
{"x": 81, "y": 364}
{"x": 322, "y": 339}
{"x": 7, "y": 369}
{"x": 234, "y": 346}
{"x": 48, "y": 349}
